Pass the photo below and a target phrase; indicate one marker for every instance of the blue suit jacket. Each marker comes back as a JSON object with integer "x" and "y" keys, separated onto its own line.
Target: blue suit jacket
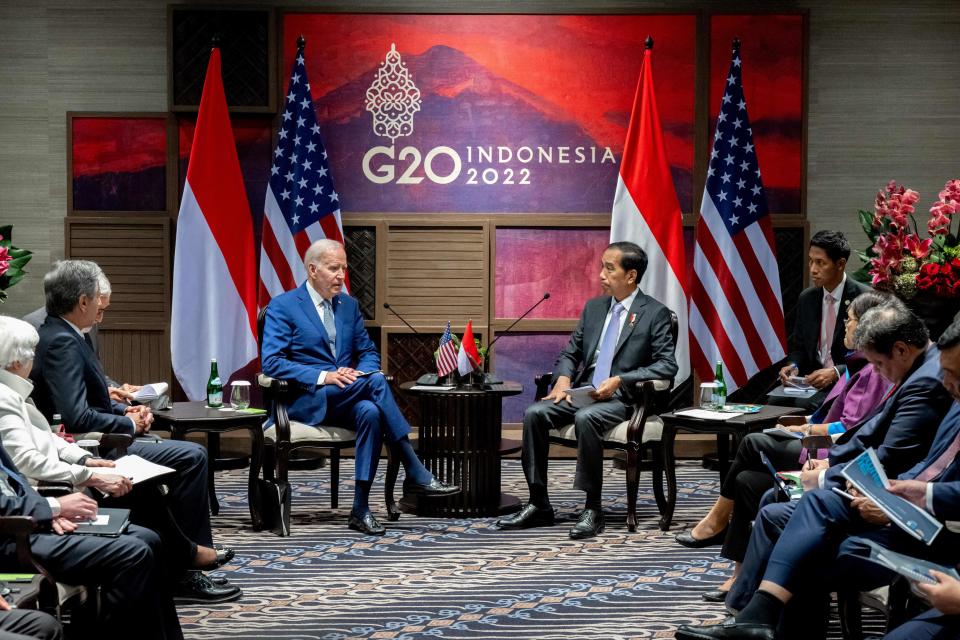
{"x": 25, "y": 501}
{"x": 902, "y": 429}
{"x": 946, "y": 488}
{"x": 296, "y": 347}
{"x": 69, "y": 380}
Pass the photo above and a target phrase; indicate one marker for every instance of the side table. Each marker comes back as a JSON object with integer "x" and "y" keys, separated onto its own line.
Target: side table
{"x": 736, "y": 427}
{"x": 460, "y": 442}
{"x": 182, "y": 418}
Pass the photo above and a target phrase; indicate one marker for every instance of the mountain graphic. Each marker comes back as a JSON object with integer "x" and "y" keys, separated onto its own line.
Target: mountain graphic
{"x": 465, "y": 105}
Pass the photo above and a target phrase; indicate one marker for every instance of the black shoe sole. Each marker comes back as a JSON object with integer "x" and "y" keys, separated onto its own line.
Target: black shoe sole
{"x": 196, "y": 600}
{"x": 586, "y": 534}
{"x": 366, "y": 531}
{"x": 690, "y": 542}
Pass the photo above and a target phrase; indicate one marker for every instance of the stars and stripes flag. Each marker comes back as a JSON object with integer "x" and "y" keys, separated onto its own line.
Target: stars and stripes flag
{"x": 214, "y": 311}
{"x": 646, "y": 210}
{"x": 301, "y": 205}
{"x": 447, "y": 355}
{"x": 736, "y": 311}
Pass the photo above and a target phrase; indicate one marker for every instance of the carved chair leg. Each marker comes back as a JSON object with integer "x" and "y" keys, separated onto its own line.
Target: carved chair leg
{"x": 632, "y": 471}
{"x": 656, "y": 457}
{"x": 334, "y": 478}
{"x": 389, "y": 484}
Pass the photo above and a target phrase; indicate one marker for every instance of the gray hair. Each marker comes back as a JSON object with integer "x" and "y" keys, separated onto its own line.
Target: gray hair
{"x": 66, "y": 282}
{"x": 317, "y": 249}
{"x": 880, "y": 327}
{"x": 18, "y": 339}
{"x": 104, "y": 285}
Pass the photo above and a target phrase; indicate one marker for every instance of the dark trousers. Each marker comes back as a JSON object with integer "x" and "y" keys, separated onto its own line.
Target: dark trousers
{"x": 931, "y": 625}
{"x": 368, "y": 407}
{"x": 29, "y": 624}
{"x": 591, "y": 422}
{"x": 135, "y": 595}
{"x": 748, "y": 479}
{"x": 188, "y": 498}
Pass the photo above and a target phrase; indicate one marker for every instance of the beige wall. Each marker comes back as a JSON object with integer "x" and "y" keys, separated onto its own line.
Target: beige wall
{"x": 884, "y": 98}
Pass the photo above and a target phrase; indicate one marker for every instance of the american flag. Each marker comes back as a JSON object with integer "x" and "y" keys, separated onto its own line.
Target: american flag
{"x": 736, "y": 311}
{"x": 301, "y": 204}
{"x": 447, "y": 355}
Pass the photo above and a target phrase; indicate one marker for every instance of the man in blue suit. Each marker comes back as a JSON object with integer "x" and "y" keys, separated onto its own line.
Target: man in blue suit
{"x": 814, "y": 545}
{"x": 315, "y": 336}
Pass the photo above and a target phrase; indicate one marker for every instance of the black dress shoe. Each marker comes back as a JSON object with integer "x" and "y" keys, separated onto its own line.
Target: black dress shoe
{"x": 224, "y": 555}
{"x": 529, "y": 516}
{"x": 714, "y": 595}
{"x": 432, "y": 489}
{"x": 198, "y": 588}
{"x": 589, "y": 525}
{"x": 367, "y": 524}
{"x": 686, "y": 539}
{"x": 729, "y": 629}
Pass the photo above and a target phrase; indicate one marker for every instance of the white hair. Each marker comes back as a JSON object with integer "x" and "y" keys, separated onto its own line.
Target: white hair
{"x": 18, "y": 339}
{"x": 317, "y": 249}
{"x": 104, "y": 285}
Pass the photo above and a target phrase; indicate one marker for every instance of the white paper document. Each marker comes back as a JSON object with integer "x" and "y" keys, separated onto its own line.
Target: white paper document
{"x": 150, "y": 392}
{"x": 705, "y": 414}
{"x": 138, "y": 469}
{"x": 433, "y": 387}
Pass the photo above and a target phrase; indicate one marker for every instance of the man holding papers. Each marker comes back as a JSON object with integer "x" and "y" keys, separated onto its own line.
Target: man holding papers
{"x": 623, "y": 337}
{"x": 814, "y": 552}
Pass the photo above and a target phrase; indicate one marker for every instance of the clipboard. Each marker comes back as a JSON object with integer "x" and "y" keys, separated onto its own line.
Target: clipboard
{"x": 110, "y": 523}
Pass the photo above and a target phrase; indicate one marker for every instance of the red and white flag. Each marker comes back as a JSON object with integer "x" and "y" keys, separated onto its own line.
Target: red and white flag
{"x": 214, "y": 268}
{"x": 468, "y": 357}
{"x": 646, "y": 211}
{"x": 301, "y": 205}
{"x": 736, "y": 312}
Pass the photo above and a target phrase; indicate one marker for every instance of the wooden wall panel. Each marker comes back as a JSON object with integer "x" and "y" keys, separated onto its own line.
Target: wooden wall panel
{"x": 438, "y": 273}
{"x": 137, "y": 357}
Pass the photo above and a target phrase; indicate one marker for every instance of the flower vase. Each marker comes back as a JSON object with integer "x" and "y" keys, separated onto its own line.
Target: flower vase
{"x": 936, "y": 311}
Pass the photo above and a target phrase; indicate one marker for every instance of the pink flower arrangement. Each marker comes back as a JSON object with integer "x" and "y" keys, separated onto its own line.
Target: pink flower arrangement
{"x": 12, "y": 261}
{"x": 4, "y": 258}
{"x": 899, "y": 259}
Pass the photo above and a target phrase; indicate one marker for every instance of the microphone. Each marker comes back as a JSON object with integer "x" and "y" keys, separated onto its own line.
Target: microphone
{"x": 489, "y": 378}
{"x": 386, "y": 305}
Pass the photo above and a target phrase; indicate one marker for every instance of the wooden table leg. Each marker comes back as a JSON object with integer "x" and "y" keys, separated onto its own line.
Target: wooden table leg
{"x": 669, "y": 467}
{"x": 256, "y": 461}
{"x": 213, "y": 452}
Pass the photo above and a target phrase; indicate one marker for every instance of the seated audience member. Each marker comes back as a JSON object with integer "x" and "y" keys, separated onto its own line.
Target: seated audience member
{"x": 748, "y": 479}
{"x": 940, "y": 623}
{"x": 24, "y": 624}
{"x": 129, "y": 569}
{"x": 314, "y": 335}
{"x": 42, "y": 456}
{"x": 68, "y": 380}
{"x": 817, "y": 341}
{"x": 623, "y": 337}
{"x": 119, "y": 392}
{"x": 812, "y": 551}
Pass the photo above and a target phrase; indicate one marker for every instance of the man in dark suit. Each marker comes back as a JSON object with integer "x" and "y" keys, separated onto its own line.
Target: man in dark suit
{"x": 623, "y": 337}
{"x": 128, "y": 569}
{"x": 68, "y": 380}
{"x": 314, "y": 335}
{"x": 817, "y": 345}
{"x": 798, "y": 555}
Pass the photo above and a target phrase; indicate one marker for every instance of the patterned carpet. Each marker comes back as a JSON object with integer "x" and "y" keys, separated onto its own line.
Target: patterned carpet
{"x": 461, "y": 578}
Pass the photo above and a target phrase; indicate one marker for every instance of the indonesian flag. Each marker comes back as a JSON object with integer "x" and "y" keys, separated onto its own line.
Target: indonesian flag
{"x": 214, "y": 272}
{"x": 646, "y": 210}
{"x": 468, "y": 358}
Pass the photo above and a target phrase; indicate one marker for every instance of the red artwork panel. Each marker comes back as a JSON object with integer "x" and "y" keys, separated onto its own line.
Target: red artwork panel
{"x": 520, "y": 357}
{"x": 490, "y": 113}
{"x": 771, "y": 52}
{"x": 119, "y": 163}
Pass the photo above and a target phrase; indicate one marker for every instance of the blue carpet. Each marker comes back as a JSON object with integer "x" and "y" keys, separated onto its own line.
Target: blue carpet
{"x": 461, "y": 578}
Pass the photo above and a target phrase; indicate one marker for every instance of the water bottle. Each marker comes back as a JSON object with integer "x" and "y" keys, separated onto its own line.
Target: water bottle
{"x": 720, "y": 390}
{"x": 214, "y": 387}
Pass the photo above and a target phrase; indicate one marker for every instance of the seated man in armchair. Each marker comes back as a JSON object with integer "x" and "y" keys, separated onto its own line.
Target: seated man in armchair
{"x": 623, "y": 337}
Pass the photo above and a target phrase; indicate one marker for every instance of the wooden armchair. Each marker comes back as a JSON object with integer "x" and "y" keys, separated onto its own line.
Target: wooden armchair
{"x": 635, "y": 437}
{"x": 291, "y": 444}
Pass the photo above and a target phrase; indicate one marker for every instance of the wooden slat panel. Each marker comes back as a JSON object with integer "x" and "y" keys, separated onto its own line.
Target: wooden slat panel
{"x": 435, "y": 274}
{"x": 135, "y": 356}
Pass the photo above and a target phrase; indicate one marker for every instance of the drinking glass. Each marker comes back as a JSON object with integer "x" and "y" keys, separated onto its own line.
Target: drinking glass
{"x": 240, "y": 395}
{"x": 706, "y": 395}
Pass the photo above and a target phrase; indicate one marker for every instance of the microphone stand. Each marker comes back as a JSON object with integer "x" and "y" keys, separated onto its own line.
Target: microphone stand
{"x": 487, "y": 377}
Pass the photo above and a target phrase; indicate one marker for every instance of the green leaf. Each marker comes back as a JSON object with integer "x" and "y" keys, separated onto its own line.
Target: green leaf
{"x": 6, "y": 231}
{"x": 862, "y": 275}
{"x": 866, "y": 221}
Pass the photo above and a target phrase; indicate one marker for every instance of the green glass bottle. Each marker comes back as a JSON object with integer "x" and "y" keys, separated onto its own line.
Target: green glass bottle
{"x": 720, "y": 390}
{"x": 214, "y": 386}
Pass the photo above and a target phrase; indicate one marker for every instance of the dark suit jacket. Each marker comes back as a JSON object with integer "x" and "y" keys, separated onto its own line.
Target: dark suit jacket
{"x": 295, "y": 347}
{"x": 946, "y": 488}
{"x": 26, "y": 501}
{"x": 69, "y": 380}
{"x": 645, "y": 348}
{"x": 903, "y": 427}
{"x": 806, "y": 328}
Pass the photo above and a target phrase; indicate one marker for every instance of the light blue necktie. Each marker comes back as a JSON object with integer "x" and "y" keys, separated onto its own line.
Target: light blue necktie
{"x": 605, "y": 360}
{"x": 330, "y": 325}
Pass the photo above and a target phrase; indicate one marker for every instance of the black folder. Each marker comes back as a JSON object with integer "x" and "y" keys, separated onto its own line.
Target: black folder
{"x": 117, "y": 524}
